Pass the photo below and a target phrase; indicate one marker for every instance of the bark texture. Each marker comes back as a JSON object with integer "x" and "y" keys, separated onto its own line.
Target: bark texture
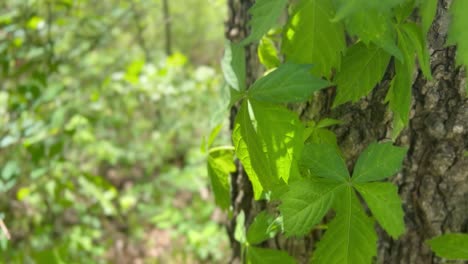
{"x": 433, "y": 183}
{"x": 241, "y": 192}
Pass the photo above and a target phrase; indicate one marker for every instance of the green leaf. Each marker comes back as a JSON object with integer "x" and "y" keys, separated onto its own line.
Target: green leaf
{"x": 214, "y": 133}
{"x": 458, "y": 35}
{"x": 374, "y": 26}
{"x": 348, "y": 7}
{"x": 385, "y": 204}
{"x": 305, "y": 204}
{"x": 362, "y": 68}
{"x": 267, "y": 53}
{"x": 427, "y": 11}
{"x": 233, "y": 65}
{"x": 378, "y": 161}
{"x": 450, "y": 246}
{"x": 257, "y": 255}
{"x": 324, "y": 161}
{"x": 417, "y": 38}
{"x": 268, "y": 149}
{"x": 220, "y": 165}
{"x": 399, "y": 94}
{"x": 263, "y": 227}
{"x": 310, "y": 37}
{"x": 350, "y": 237}
{"x": 265, "y": 14}
{"x": 288, "y": 83}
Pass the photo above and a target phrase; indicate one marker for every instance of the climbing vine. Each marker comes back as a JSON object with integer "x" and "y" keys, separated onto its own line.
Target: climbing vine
{"x": 346, "y": 46}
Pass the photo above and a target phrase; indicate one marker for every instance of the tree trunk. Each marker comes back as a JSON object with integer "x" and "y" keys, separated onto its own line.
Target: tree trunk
{"x": 241, "y": 193}
{"x": 433, "y": 183}
{"x": 167, "y": 28}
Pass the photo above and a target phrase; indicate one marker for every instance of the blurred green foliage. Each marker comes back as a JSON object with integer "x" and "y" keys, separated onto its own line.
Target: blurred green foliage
{"x": 100, "y": 131}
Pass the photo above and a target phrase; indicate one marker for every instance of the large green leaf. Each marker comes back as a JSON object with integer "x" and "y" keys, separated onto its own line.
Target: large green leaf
{"x": 311, "y": 37}
{"x": 305, "y": 204}
{"x": 450, "y": 246}
{"x": 324, "y": 161}
{"x": 265, "y": 14}
{"x": 350, "y": 237}
{"x": 233, "y": 65}
{"x": 288, "y": 83}
{"x": 267, "y": 139}
{"x": 385, "y": 204}
{"x": 378, "y": 161}
{"x": 257, "y": 255}
{"x": 362, "y": 68}
{"x": 220, "y": 165}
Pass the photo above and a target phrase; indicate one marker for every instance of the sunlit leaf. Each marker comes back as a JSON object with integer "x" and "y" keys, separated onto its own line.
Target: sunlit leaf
{"x": 311, "y": 37}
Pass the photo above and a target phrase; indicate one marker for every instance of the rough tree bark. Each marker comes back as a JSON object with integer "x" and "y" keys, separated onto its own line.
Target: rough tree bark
{"x": 241, "y": 193}
{"x": 433, "y": 183}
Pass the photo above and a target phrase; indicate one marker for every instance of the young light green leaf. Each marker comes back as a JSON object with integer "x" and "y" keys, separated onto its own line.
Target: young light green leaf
{"x": 399, "y": 94}
{"x": 427, "y": 11}
{"x": 268, "y": 149}
{"x": 350, "y": 237}
{"x": 450, "y": 246}
{"x": 324, "y": 161}
{"x": 288, "y": 83}
{"x": 385, "y": 204}
{"x": 220, "y": 165}
{"x": 213, "y": 134}
{"x": 362, "y": 68}
{"x": 378, "y": 161}
{"x": 418, "y": 41}
{"x": 314, "y": 39}
{"x": 265, "y": 14}
{"x": 326, "y": 122}
{"x": 233, "y": 65}
{"x": 267, "y": 53}
{"x": 257, "y": 255}
{"x": 458, "y": 35}
{"x": 305, "y": 204}
{"x": 263, "y": 227}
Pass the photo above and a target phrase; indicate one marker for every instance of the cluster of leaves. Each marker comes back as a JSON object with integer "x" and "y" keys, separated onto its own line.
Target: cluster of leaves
{"x": 96, "y": 140}
{"x": 350, "y": 45}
